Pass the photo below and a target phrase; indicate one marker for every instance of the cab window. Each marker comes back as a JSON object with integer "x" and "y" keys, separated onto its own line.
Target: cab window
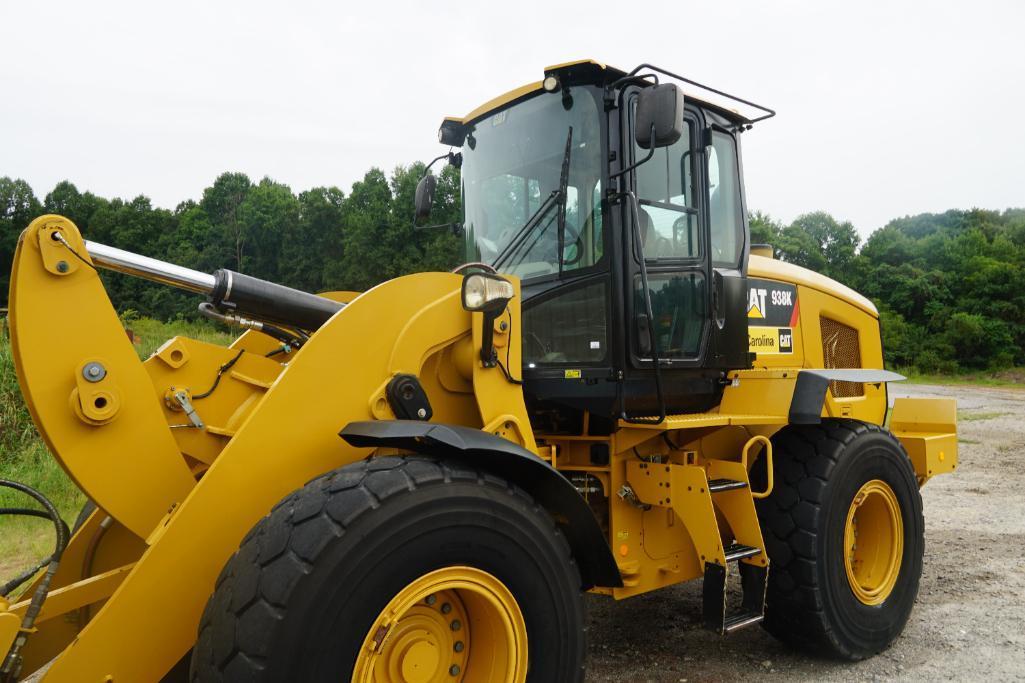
{"x": 678, "y": 309}
{"x": 665, "y": 192}
{"x": 725, "y": 214}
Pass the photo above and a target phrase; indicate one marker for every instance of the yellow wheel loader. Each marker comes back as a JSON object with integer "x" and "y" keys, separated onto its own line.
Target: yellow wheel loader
{"x": 617, "y": 393}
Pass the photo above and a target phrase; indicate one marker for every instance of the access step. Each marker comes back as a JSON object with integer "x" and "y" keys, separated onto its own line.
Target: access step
{"x": 720, "y": 485}
{"x": 752, "y": 607}
{"x": 739, "y": 552}
{"x": 739, "y": 621}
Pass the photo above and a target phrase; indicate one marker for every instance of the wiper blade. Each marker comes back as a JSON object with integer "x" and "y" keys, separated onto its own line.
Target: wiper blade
{"x": 563, "y": 190}
{"x": 521, "y": 235}
{"x": 556, "y": 198}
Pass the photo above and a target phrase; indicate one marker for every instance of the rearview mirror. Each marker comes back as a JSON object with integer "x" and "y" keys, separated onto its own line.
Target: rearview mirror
{"x": 659, "y": 116}
{"x": 424, "y": 198}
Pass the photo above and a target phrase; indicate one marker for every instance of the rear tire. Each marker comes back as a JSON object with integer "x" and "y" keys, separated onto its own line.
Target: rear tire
{"x": 310, "y": 584}
{"x": 826, "y": 476}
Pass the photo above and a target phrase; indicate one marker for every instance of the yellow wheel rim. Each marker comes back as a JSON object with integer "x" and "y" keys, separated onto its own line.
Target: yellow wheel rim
{"x": 453, "y": 624}
{"x": 873, "y": 542}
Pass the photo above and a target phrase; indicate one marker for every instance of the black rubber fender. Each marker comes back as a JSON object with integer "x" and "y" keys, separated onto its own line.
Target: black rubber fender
{"x": 513, "y": 462}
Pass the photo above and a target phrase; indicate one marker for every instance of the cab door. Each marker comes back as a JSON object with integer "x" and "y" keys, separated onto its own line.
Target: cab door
{"x": 672, "y": 240}
{"x": 728, "y": 250}
{"x": 688, "y": 226}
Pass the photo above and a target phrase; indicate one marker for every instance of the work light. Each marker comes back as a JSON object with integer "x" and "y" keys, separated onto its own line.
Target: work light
{"x": 486, "y": 292}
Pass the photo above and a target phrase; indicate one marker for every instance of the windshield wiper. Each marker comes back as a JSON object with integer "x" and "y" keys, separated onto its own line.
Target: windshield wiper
{"x": 563, "y": 190}
{"x": 556, "y": 198}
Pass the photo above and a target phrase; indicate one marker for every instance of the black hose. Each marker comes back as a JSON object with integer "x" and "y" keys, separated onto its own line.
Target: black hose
{"x": 217, "y": 380}
{"x": 12, "y": 661}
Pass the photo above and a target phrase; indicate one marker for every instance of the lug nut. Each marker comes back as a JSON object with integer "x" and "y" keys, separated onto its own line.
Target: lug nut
{"x": 458, "y": 647}
{"x": 456, "y": 625}
{"x": 431, "y": 599}
{"x": 446, "y": 608}
{"x": 453, "y": 670}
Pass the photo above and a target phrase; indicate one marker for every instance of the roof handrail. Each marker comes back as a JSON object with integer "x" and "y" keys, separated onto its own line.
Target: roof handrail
{"x": 769, "y": 113}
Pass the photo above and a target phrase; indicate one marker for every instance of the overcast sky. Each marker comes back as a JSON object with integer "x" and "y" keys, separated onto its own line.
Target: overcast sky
{"x": 885, "y": 108}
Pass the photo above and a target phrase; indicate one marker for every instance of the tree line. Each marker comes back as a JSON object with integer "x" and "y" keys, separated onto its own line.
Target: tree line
{"x": 950, "y": 287}
{"x": 318, "y": 240}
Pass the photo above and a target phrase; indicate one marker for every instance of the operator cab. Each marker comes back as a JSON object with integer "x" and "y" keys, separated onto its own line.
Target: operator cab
{"x": 631, "y": 251}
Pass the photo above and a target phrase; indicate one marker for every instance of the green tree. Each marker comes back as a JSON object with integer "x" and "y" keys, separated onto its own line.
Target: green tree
{"x": 18, "y": 206}
{"x": 764, "y": 230}
{"x": 223, "y": 205}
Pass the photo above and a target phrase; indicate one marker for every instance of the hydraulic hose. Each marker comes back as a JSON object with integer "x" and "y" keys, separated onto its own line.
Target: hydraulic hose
{"x": 11, "y": 666}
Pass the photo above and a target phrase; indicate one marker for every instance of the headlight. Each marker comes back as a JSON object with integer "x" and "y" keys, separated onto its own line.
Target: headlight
{"x": 486, "y": 292}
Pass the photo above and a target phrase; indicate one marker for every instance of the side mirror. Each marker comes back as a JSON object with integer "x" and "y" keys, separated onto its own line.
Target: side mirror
{"x": 659, "y": 116}
{"x": 424, "y": 198}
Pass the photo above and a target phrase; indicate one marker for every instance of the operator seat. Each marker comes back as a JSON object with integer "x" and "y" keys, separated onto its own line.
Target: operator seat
{"x": 653, "y": 245}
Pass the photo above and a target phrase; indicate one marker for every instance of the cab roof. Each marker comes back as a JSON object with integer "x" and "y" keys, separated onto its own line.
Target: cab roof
{"x": 732, "y": 108}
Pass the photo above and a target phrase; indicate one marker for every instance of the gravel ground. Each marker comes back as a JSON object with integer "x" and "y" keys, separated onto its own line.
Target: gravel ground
{"x": 967, "y": 623}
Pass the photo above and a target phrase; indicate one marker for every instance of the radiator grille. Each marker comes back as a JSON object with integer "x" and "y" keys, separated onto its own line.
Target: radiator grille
{"x": 840, "y": 349}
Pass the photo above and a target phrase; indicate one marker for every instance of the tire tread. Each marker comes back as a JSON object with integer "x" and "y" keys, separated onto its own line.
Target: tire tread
{"x": 254, "y": 587}
{"x": 807, "y": 458}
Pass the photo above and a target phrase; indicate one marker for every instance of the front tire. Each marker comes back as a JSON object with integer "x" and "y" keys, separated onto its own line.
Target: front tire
{"x": 844, "y": 531}
{"x": 398, "y": 568}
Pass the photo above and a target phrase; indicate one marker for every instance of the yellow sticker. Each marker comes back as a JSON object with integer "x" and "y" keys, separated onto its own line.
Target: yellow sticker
{"x": 572, "y": 374}
{"x": 770, "y": 340}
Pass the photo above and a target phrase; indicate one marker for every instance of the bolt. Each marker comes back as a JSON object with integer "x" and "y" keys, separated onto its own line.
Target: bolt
{"x": 453, "y": 670}
{"x": 458, "y": 647}
{"x": 431, "y": 599}
{"x": 455, "y": 625}
{"x": 62, "y": 266}
{"x": 446, "y": 608}
{"x": 422, "y": 413}
{"x": 504, "y": 326}
{"x": 94, "y": 372}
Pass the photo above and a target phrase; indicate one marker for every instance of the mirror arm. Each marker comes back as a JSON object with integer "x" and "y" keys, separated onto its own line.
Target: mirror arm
{"x": 456, "y": 227}
{"x": 651, "y": 153}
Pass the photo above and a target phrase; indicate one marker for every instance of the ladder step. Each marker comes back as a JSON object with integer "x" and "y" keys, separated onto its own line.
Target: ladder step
{"x": 739, "y": 552}
{"x": 719, "y": 485}
{"x": 739, "y": 621}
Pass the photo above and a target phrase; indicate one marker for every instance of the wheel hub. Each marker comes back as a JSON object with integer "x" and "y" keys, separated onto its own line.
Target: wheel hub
{"x": 873, "y": 542}
{"x": 424, "y": 634}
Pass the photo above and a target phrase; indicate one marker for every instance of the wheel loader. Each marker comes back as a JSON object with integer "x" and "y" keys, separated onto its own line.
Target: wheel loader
{"x": 617, "y": 393}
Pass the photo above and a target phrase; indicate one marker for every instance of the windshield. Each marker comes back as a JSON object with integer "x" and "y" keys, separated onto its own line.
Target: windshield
{"x": 512, "y": 161}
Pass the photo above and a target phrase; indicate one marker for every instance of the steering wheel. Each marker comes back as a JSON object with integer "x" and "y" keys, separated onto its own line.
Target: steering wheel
{"x": 576, "y": 240}
{"x": 540, "y": 345}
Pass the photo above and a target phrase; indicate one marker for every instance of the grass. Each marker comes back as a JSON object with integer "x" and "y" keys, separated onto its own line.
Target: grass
{"x": 975, "y": 417}
{"x": 1014, "y": 378}
{"x": 26, "y": 539}
{"x": 24, "y": 458}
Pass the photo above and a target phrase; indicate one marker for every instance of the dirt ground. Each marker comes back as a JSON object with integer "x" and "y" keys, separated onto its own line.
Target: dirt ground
{"x": 968, "y": 623}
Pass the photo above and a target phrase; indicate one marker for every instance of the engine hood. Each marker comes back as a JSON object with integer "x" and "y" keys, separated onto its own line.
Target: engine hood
{"x": 759, "y": 266}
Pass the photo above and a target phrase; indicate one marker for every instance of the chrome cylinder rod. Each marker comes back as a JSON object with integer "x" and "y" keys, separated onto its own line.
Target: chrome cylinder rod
{"x": 148, "y": 268}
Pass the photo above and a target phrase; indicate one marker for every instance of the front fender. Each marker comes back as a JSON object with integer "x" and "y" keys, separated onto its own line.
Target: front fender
{"x": 513, "y": 462}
